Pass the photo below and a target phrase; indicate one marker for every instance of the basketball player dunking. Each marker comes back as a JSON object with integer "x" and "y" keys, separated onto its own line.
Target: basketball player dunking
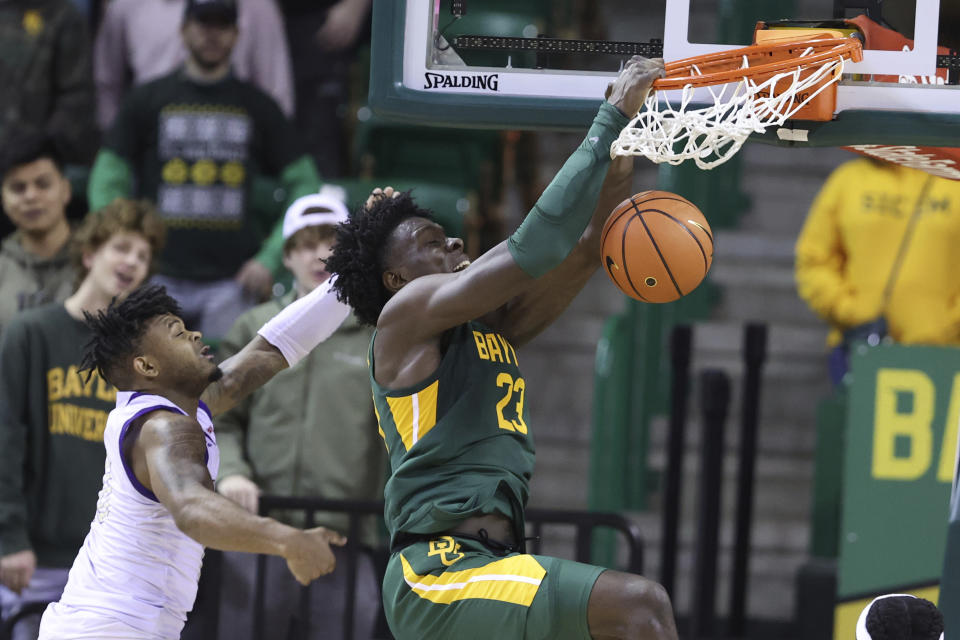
{"x": 136, "y": 574}
{"x": 450, "y": 401}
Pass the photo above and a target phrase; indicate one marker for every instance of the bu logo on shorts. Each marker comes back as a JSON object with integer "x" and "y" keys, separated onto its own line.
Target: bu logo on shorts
{"x": 444, "y": 546}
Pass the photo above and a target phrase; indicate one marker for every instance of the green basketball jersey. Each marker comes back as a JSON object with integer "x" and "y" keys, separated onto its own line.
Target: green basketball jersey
{"x": 458, "y": 441}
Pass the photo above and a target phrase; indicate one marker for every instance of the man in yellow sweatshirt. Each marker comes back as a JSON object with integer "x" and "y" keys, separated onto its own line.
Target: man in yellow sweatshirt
{"x": 878, "y": 253}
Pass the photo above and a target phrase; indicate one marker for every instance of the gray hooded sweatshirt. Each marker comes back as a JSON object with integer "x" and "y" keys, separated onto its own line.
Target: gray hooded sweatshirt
{"x": 27, "y": 281}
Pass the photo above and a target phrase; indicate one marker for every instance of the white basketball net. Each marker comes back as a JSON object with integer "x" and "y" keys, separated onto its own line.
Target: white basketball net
{"x": 711, "y": 134}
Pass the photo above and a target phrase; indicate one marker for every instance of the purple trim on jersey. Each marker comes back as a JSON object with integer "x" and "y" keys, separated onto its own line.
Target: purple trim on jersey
{"x": 133, "y": 396}
{"x": 131, "y": 476}
{"x": 208, "y": 436}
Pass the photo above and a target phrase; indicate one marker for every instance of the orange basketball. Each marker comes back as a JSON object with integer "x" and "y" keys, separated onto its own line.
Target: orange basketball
{"x": 657, "y": 246}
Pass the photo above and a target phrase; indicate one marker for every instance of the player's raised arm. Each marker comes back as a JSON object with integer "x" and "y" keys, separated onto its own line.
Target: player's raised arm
{"x": 529, "y": 313}
{"x": 168, "y": 458}
{"x": 426, "y": 290}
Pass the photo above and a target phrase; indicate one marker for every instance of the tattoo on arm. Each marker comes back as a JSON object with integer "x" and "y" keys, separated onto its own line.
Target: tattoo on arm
{"x": 171, "y": 450}
{"x": 174, "y": 448}
{"x": 243, "y": 373}
{"x": 186, "y": 449}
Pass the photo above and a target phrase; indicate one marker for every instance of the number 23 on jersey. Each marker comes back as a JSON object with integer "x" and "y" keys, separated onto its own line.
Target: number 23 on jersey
{"x": 512, "y": 401}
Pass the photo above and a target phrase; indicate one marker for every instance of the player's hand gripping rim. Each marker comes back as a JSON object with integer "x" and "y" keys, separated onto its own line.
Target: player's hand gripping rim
{"x": 629, "y": 91}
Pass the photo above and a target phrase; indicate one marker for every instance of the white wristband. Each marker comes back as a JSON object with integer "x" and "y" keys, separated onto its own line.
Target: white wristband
{"x": 305, "y": 323}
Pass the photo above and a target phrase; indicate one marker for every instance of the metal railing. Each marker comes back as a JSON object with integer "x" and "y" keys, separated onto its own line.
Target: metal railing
{"x": 583, "y": 522}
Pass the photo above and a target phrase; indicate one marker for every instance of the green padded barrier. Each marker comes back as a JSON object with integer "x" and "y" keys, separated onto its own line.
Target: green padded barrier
{"x": 613, "y": 380}
{"x": 828, "y": 476}
{"x": 613, "y": 374}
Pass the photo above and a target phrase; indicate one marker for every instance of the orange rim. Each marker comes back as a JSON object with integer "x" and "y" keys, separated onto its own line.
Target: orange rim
{"x": 724, "y": 67}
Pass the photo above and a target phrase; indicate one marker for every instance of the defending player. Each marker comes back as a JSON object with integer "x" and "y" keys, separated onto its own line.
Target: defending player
{"x": 136, "y": 575}
{"x": 450, "y": 400}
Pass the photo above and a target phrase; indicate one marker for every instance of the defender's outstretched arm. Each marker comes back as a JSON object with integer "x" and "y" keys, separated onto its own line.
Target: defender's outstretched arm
{"x": 281, "y": 342}
{"x": 168, "y": 459}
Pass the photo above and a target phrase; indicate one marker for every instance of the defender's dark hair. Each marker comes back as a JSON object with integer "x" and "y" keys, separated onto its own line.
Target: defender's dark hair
{"x": 118, "y": 330}
{"x": 904, "y": 618}
{"x": 357, "y": 257}
{"x": 23, "y": 146}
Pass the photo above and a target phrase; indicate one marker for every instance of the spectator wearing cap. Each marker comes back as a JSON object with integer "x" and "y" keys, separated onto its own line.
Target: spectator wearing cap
{"x": 310, "y": 431}
{"x": 35, "y": 266}
{"x": 137, "y": 42}
{"x": 192, "y": 141}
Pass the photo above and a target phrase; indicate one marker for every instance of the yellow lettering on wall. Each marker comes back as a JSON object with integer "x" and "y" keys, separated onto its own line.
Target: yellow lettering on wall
{"x": 889, "y": 424}
{"x": 54, "y": 384}
{"x": 948, "y": 449}
{"x": 481, "y": 345}
{"x": 493, "y": 348}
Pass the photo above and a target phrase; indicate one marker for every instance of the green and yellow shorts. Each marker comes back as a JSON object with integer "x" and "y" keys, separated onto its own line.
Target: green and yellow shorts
{"x": 456, "y": 588}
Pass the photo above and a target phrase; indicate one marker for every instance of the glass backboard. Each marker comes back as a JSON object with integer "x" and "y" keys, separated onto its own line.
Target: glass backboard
{"x": 493, "y": 67}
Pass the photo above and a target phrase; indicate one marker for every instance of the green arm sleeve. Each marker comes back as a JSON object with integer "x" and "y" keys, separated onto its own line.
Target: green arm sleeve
{"x": 110, "y": 178}
{"x": 554, "y": 225}
{"x": 298, "y": 178}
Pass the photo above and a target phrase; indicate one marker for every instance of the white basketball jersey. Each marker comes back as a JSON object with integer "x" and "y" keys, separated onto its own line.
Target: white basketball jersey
{"x": 136, "y": 574}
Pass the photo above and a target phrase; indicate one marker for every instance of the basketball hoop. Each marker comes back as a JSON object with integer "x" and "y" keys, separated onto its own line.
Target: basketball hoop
{"x": 751, "y": 88}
